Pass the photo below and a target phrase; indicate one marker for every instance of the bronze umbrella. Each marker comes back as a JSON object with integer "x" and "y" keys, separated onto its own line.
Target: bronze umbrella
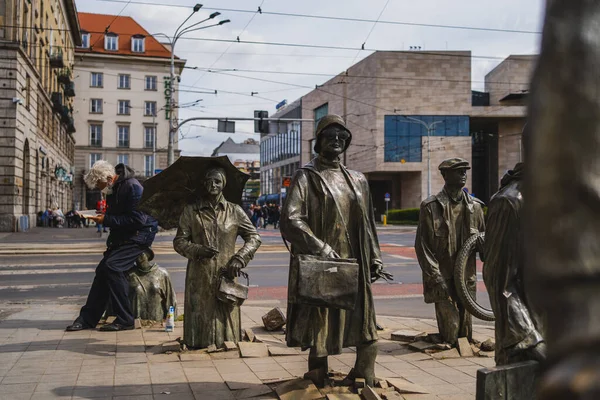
{"x": 167, "y": 193}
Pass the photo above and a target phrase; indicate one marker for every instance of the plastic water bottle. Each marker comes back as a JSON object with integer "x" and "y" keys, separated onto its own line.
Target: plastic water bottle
{"x": 170, "y": 320}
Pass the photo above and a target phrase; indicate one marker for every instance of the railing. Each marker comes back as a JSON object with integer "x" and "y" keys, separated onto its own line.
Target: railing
{"x": 69, "y": 89}
{"x": 56, "y": 58}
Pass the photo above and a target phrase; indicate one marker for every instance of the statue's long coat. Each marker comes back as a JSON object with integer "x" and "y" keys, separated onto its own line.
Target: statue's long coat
{"x": 311, "y": 222}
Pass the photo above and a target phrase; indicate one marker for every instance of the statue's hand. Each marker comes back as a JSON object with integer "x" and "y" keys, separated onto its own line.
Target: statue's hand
{"x": 440, "y": 288}
{"x": 333, "y": 254}
{"x": 206, "y": 251}
{"x": 234, "y": 267}
{"x": 378, "y": 272}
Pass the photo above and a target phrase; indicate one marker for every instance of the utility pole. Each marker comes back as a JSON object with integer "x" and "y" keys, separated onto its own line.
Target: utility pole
{"x": 430, "y": 129}
{"x": 172, "y": 40}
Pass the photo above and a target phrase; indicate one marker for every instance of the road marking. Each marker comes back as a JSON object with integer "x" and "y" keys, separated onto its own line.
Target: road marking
{"x": 401, "y": 257}
{"x": 64, "y": 271}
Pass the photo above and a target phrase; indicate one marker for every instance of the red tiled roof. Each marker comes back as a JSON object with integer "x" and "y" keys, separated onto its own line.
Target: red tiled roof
{"x": 125, "y": 27}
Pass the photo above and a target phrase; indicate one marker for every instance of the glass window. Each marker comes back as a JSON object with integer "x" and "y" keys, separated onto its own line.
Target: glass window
{"x": 96, "y": 79}
{"x": 137, "y": 45}
{"x": 149, "y": 135}
{"x": 95, "y": 157}
{"x": 124, "y": 81}
{"x": 111, "y": 42}
{"x": 148, "y": 165}
{"x": 85, "y": 40}
{"x": 320, "y": 112}
{"x": 123, "y": 159}
{"x": 124, "y": 107}
{"x": 96, "y": 135}
{"x": 149, "y": 108}
{"x": 123, "y": 136}
{"x": 96, "y": 106}
{"x": 150, "y": 83}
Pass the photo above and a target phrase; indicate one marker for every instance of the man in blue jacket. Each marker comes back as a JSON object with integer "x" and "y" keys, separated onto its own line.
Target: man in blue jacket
{"x": 131, "y": 233}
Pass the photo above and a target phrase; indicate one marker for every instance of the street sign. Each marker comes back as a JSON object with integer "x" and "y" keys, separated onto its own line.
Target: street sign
{"x": 283, "y": 190}
{"x": 286, "y": 181}
{"x": 387, "y": 196}
{"x": 387, "y": 199}
{"x": 226, "y": 126}
{"x": 157, "y": 171}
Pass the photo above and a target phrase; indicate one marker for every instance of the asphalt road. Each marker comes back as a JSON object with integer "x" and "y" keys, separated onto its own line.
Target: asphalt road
{"x": 67, "y": 278}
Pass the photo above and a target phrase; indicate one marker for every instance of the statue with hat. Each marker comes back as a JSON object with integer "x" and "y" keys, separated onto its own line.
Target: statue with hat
{"x": 150, "y": 289}
{"x": 446, "y": 221}
{"x": 328, "y": 213}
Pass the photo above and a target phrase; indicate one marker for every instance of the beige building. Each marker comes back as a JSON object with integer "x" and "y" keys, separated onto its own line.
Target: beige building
{"x": 37, "y": 39}
{"x": 408, "y": 111}
{"x": 121, "y": 110}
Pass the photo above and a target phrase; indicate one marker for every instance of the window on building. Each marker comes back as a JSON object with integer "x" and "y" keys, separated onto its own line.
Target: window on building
{"x": 150, "y": 83}
{"x": 123, "y": 159}
{"x": 137, "y": 44}
{"x": 148, "y": 165}
{"x": 111, "y": 42}
{"x": 149, "y": 136}
{"x": 124, "y": 81}
{"x": 85, "y": 40}
{"x": 96, "y": 79}
{"x": 320, "y": 112}
{"x": 149, "y": 108}
{"x": 96, "y": 135}
{"x": 27, "y": 91}
{"x": 124, "y": 107}
{"x": 123, "y": 136}
{"x": 404, "y": 137}
{"x": 96, "y": 106}
{"x": 94, "y": 157}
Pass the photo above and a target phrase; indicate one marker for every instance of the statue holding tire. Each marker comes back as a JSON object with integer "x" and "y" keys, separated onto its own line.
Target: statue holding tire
{"x": 447, "y": 221}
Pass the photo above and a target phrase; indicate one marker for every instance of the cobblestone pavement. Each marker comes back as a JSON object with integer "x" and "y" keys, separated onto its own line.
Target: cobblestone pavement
{"x": 39, "y": 360}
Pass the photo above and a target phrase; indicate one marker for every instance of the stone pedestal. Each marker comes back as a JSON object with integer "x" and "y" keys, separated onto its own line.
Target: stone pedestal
{"x": 508, "y": 382}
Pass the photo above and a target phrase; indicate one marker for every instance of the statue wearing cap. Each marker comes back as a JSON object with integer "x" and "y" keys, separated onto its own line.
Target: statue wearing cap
{"x": 446, "y": 221}
{"x": 328, "y": 213}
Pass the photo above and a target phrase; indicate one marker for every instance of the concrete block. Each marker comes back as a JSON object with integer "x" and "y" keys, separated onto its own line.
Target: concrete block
{"x": 274, "y": 319}
{"x": 405, "y": 335}
{"x": 403, "y": 386}
{"x": 514, "y": 381}
{"x": 369, "y": 394}
{"x": 253, "y": 350}
{"x": 421, "y": 346}
{"x": 359, "y": 383}
{"x": 230, "y": 346}
{"x": 170, "y": 347}
{"x": 464, "y": 347}
{"x": 298, "y": 389}
{"x": 249, "y": 335}
{"x": 443, "y": 355}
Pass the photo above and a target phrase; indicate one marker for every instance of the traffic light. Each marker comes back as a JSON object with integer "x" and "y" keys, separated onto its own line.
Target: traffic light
{"x": 261, "y": 126}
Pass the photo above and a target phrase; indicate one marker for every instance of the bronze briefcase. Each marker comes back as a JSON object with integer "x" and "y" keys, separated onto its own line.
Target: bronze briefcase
{"x": 326, "y": 282}
{"x": 231, "y": 292}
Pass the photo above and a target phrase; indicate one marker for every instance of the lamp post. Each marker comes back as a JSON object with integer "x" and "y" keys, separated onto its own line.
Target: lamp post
{"x": 430, "y": 128}
{"x": 172, "y": 40}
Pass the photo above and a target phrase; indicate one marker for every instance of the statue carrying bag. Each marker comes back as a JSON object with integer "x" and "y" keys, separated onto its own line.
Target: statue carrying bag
{"x": 231, "y": 292}
{"x": 323, "y": 281}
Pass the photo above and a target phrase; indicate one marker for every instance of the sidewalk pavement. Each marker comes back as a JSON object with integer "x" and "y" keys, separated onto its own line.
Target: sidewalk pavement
{"x": 42, "y": 361}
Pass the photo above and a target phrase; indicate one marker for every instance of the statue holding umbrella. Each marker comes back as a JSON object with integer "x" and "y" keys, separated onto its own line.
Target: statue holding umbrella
{"x": 198, "y": 195}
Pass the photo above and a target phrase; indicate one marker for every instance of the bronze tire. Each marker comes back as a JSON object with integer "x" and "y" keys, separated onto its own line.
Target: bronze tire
{"x": 460, "y": 281}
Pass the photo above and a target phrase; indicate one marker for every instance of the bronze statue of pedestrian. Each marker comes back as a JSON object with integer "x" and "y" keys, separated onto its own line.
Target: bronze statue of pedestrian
{"x": 446, "y": 221}
{"x": 208, "y": 229}
{"x": 328, "y": 212}
{"x": 519, "y": 328}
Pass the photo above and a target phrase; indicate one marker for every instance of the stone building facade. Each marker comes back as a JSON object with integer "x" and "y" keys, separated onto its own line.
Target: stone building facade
{"x": 37, "y": 41}
{"x": 121, "y": 112}
{"x": 408, "y": 111}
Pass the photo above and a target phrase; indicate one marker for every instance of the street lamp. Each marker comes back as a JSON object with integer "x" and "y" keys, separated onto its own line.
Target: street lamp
{"x": 172, "y": 40}
{"x": 430, "y": 128}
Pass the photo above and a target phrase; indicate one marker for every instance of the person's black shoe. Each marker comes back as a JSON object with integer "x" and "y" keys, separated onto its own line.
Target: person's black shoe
{"x": 116, "y": 327}
{"x": 77, "y": 325}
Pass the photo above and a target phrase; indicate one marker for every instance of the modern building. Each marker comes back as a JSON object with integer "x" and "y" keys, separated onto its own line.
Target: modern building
{"x": 246, "y": 157}
{"x": 121, "y": 111}
{"x": 407, "y": 112}
{"x": 280, "y": 150}
{"x": 37, "y": 39}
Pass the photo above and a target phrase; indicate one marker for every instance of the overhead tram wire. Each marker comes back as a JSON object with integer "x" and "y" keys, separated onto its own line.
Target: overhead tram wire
{"x": 347, "y": 19}
{"x": 371, "y": 30}
{"x": 111, "y": 22}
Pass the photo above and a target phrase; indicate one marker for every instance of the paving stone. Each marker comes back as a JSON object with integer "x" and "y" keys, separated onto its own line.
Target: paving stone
{"x": 298, "y": 389}
{"x": 274, "y": 319}
{"x": 403, "y": 386}
{"x": 253, "y": 350}
{"x": 212, "y": 349}
{"x": 343, "y": 396}
{"x": 464, "y": 347}
{"x": 249, "y": 335}
{"x": 405, "y": 335}
{"x": 275, "y": 351}
{"x": 392, "y": 396}
{"x": 369, "y": 394}
{"x": 172, "y": 346}
{"x": 137, "y": 323}
{"x": 421, "y": 345}
{"x": 359, "y": 383}
{"x": 230, "y": 346}
{"x": 442, "y": 355}
{"x": 487, "y": 354}
{"x": 194, "y": 356}
{"x": 254, "y": 391}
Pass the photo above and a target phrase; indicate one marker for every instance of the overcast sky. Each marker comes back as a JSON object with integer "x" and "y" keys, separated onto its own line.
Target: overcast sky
{"x": 251, "y": 26}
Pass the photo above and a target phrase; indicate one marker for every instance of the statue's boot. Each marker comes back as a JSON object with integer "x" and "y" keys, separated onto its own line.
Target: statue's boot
{"x": 318, "y": 368}
{"x": 364, "y": 367}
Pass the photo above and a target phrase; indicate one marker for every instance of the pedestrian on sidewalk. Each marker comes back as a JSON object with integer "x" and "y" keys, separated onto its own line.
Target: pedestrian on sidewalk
{"x": 131, "y": 233}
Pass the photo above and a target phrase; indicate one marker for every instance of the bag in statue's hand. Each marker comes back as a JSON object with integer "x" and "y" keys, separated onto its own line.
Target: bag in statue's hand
{"x": 231, "y": 292}
{"x": 327, "y": 282}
